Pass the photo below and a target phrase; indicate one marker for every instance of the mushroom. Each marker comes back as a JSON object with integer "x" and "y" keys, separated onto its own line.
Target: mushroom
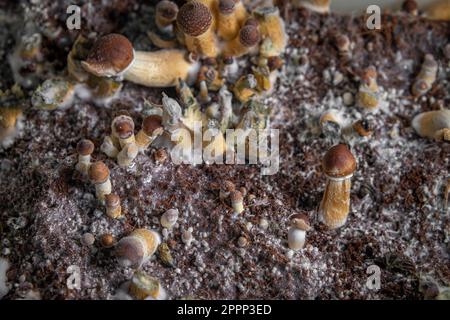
{"x": 248, "y": 38}
{"x": 226, "y": 188}
{"x": 297, "y": 232}
{"x": 151, "y": 129}
{"x": 237, "y": 201}
{"x": 368, "y": 94}
{"x": 135, "y": 249}
{"x": 227, "y": 22}
{"x": 144, "y": 287}
{"x": 339, "y": 164}
{"x": 169, "y": 218}
{"x": 165, "y": 15}
{"x": 113, "y": 56}
{"x": 433, "y": 124}
{"x": 426, "y": 76}
{"x": 195, "y": 21}
{"x": 84, "y": 148}
{"x": 272, "y": 28}
{"x": 99, "y": 176}
{"x": 123, "y": 128}
{"x": 331, "y": 123}
{"x": 343, "y": 45}
{"x": 113, "y": 207}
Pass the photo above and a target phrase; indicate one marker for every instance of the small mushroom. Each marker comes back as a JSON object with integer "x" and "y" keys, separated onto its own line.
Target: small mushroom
{"x": 84, "y": 148}
{"x": 169, "y": 218}
{"x": 151, "y": 129}
{"x": 227, "y": 22}
{"x": 247, "y": 39}
{"x": 237, "y": 201}
{"x": 272, "y": 28}
{"x": 135, "y": 249}
{"x": 338, "y": 165}
{"x": 144, "y": 287}
{"x": 113, "y": 207}
{"x": 368, "y": 95}
{"x": 165, "y": 15}
{"x": 426, "y": 76}
{"x": 99, "y": 176}
{"x": 433, "y": 124}
{"x": 297, "y": 232}
{"x": 195, "y": 21}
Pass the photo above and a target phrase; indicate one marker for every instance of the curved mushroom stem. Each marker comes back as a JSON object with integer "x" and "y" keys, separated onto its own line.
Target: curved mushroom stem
{"x": 335, "y": 204}
{"x": 161, "y": 68}
{"x": 102, "y": 189}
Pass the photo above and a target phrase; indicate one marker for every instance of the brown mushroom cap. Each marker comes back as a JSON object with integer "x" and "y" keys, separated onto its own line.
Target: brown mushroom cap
{"x": 123, "y": 126}
{"x": 194, "y": 18}
{"x": 112, "y": 200}
{"x": 249, "y": 35}
{"x": 342, "y": 42}
{"x": 370, "y": 72}
{"x": 167, "y": 9}
{"x": 85, "y": 147}
{"x": 300, "y": 221}
{"x": 409, "y": 6}
{"x": 110, "y": 55}
{"x": 151, "y": 123}
{"x": 98, "y": 172}
{"x": 227, "y": 6}
{"x": 339, "y": 161}
{"x": 130, "y": 252}
{"x": 228, "y": 186}
{"x": 236, "y": 196}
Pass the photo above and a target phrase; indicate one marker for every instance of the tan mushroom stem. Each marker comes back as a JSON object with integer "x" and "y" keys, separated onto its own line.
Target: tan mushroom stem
{"x": 102, "y": 189}
{"x": 204, "y": 44}
{"x": 433, "y": 124}
{"x": 227, "y": 25}
{"x": 143, "y": 140}
{"x": 335, "y": 204}
{"x": 240, "y": 12}
{"x": 84, "y": 161}
{"x": 272, "y": 26}
{"x": 160, "y": 68}
{"x": 235, "y": 48}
